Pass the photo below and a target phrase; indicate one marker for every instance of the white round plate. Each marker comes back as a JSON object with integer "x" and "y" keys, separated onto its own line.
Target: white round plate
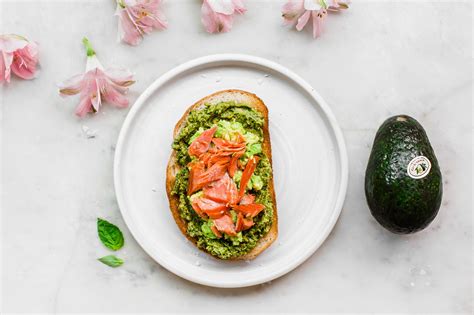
{"x": 309, "y": 166}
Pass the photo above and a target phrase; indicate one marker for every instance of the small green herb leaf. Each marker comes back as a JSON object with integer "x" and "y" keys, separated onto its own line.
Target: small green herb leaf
{"x": 109, "y": 234}
{"x": 111, "y": 261}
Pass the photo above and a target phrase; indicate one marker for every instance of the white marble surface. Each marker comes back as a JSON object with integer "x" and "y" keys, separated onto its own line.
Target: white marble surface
{"x": 373, "y": 61}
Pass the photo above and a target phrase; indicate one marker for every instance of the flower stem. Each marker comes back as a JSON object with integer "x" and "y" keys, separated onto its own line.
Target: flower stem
{"x": 121, "y": 4}
{"x": 89, "y": 49}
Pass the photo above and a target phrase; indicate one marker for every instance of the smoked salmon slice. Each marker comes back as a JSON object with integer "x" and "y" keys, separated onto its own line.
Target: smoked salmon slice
{"x": 196, "y": 209}
{"x": 247, "y": 174}
{"x": 195, "y": 172}
{"x": 223, "y": 190}
{"x": 218, "y": 159}
{"x": 202, "y": 143}
{"x": 225, "y": 224}
{"x": 239, "y": 224}
{"x": 233, "y": 165}
{"x": 247, "y": 223}
{"x": 198, "y": 177}
{"x": 215, "y": 172}
{"x": 251, "y": 210}
{"x": 206, "y": 158}
{"x": 222, "y": 157}
{"x": 247, "y": 199}
{"x": 210, "y": 207}
{"x": 242, "y": 223}
{"x": 215, "y": 231}
{"x": 225, "y": 145}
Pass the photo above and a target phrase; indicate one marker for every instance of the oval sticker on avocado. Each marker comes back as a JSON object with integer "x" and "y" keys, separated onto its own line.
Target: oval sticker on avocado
{"x": 419, "y": 167}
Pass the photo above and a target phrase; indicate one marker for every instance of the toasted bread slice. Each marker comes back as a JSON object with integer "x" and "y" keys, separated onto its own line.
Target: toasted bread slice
{"x": 253, "y": 101}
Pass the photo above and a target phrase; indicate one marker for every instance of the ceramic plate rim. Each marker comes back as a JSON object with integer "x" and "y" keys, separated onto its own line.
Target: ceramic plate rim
{"x": 231, "y": 58}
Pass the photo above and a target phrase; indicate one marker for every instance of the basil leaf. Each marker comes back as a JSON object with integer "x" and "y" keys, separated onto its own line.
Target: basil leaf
{"x": 111, "y": 261}
{"x": 109, "y": 234}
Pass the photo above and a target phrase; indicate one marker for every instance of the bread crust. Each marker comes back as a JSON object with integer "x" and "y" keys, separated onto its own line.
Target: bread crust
{"x": 173, "y": 168}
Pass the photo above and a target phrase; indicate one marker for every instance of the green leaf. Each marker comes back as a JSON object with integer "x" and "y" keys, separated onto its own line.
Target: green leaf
{"x": 111, "y": 261}
{"x": 109, "y": 234}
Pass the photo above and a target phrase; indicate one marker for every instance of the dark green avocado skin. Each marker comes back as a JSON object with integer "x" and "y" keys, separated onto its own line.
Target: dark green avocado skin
{"x": 398, "y": 202}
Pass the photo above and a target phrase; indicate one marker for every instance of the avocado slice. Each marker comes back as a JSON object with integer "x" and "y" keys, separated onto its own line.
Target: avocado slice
{"x": 403, "y": 183}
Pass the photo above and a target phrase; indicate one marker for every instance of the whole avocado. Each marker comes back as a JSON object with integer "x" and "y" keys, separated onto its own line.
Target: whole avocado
{"x": 403, "y": 183}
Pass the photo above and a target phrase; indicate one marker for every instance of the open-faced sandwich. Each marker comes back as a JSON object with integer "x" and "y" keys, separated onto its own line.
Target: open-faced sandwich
{"x": 219, "y": 178}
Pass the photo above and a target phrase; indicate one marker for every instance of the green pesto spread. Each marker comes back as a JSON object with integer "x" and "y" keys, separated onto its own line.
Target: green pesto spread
{"x": 229, "y": 118}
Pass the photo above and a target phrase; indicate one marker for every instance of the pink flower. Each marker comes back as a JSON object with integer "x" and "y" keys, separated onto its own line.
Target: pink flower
{"x": 97, "y": 85}
{"x": 301, "y": 11}
{"x": 17, "y": 55}
{"x": 137, "y": 18}
{"x": 218, "y": 15}
{"x": 337, "y": 5}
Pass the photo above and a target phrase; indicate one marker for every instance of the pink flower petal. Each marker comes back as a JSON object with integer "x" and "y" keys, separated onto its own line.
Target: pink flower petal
{"x": 113, "y": 97}
{"x": 2, "y": 68}
{"x": 218, "y": 15}
{"x": 130, "y": 32}
{"x": 312, "y": 5}
{"x": 239, "y": 6}
{"x": 318, "y": 18}
{"x": 155, "y": 16}
{"x": 208, "y": 18}
{"x": 303, "y": 20}
{"x": 7, "y": 59}
{"x": 71, "y": 86}
{"x": 120, "y": 77}
{"x": 215, "y": 22}
{"x": 159, "y": 20}
{"x": 10, "y": 43}
{"x": 337, "y": 5}
{"x": 316, "y": 24}
{"x": 304, "y": 10}
{"x": 138, "y": 19}
{"x": 84, "y": 107}
{"x": 292, "y": 10}
{"x": 224, "y": 22}
{"x": 226, "y": 7}
{"x": 96, "y": 99}
{"x": 25, "y": 61}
